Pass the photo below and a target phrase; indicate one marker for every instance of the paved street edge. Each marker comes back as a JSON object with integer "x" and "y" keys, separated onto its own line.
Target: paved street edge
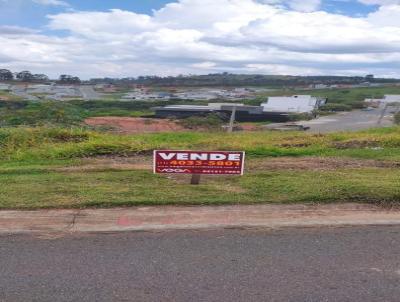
{"x": 194, "y": 217}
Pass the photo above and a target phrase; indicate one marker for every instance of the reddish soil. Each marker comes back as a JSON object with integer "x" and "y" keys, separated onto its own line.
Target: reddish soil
{"x": 250, "y": 127}
{"x": 135, "y": 124}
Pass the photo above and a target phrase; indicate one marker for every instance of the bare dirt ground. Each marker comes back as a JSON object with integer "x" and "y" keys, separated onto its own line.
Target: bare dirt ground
{"x": 135, "y": 124}
{"x": 250, "y": 127}
{"x": 267, "y": 164}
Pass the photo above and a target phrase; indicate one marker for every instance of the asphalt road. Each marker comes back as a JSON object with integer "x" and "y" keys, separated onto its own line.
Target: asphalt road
{"x": 330, "y": 264}
{"x": 351, "y": 121}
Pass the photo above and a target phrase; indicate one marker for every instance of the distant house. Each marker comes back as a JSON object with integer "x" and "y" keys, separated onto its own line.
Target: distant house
{"x": 293, "y": 104}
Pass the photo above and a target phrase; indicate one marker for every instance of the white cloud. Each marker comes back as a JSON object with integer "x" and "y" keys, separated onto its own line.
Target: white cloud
{"x": 298, "y": 5}
{"x": 204, "y": 65}
{"x": 15, "y": 30}
{"x": 201, "y": 36}
{"x": 51, "y": 2}
{"x": 379, "y": 2}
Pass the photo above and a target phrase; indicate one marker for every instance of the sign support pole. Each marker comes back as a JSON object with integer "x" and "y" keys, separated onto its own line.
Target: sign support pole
{"x": 195, "y": 179}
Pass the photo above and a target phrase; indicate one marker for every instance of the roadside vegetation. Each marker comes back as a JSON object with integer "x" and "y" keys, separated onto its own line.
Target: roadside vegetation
{"x": 60, "y": 143}
{"x": 45, "y": 167}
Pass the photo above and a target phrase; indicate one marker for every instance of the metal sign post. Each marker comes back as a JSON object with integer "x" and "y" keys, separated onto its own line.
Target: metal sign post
{"x": 195, "y": 180}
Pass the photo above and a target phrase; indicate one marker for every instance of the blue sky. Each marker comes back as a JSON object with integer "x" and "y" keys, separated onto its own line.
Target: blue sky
{"x": 350, "y": 8}
{"x": 30, "y": 14}
{"x": 119, "y": 38}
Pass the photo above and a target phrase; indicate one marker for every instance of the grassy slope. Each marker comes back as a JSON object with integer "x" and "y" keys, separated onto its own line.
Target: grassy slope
{"x": 32, "y": 144}
{"x": 29, "y": 177}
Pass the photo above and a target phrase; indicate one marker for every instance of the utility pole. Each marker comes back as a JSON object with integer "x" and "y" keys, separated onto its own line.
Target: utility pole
{"x": 232, "y": 120}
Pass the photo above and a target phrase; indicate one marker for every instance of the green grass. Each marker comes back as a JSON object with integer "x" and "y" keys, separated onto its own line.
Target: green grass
{"x": 36, "y": 188}
{"x": 30, "y": 177}
{"x": 30, "y": 144}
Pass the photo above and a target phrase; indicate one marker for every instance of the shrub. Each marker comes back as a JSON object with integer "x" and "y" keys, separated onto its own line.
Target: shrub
{"x": 301, "y": 116}
{"x": 36, "y": 114}
{"x": 359, "y": 105}
{"x": 210, "y": 121}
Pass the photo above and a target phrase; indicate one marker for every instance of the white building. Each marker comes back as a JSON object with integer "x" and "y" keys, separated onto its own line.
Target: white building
{"x": 295, "y": 104}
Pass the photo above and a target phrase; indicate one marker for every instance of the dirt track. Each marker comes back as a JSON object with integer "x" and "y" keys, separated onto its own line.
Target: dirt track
{"x": 135, "y": 124}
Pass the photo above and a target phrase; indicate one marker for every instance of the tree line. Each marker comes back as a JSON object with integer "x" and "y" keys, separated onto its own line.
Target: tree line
{"x": 227, "y": 79}
{"x": 27, "y": 76}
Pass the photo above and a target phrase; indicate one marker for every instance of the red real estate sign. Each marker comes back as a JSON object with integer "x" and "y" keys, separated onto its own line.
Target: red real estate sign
{"x": 199, "y": 162}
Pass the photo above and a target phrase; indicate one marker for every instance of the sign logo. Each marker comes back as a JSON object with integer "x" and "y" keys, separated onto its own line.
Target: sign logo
{"x": 199, "y": 162}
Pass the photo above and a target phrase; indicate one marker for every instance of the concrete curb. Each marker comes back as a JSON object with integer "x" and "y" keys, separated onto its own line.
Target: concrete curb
{"x": 193, "y": 217}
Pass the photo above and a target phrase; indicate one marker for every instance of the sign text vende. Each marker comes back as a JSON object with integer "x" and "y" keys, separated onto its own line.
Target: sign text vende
{"x": 199, "y": 162}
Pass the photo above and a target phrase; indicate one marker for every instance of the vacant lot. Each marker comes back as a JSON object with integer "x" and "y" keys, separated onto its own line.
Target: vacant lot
{"x": 52, "y": 167}
{"x": 116, "y": 186}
